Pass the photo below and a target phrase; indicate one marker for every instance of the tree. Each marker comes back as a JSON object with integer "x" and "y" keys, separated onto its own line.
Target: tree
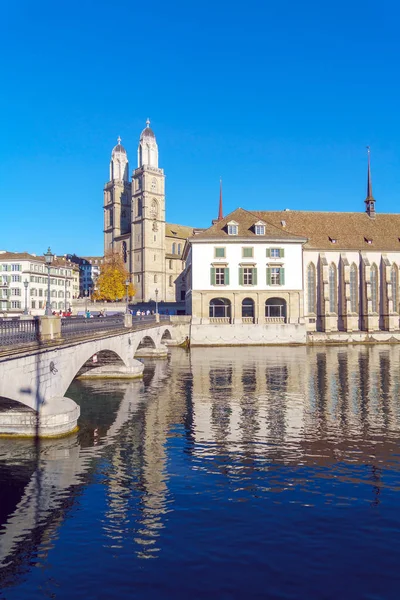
{"x": 111, "y": 281}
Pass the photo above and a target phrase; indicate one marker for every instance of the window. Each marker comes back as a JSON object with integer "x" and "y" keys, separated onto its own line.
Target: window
{"x": 247, "y": 252}
{"x": 179, "y": 248}
{"x": 275, "y": 252}
{"x": 374, "y": 288}
{"x": 174, "y": 248}
{"x": 232, "y": 229}
{"x": 15, "y": 277}
{"x": 332, "y": 288}
{"x": 275, "y": 276}
{"x": 111, "y": 217}
{"x": 219, "y": 252}
{"x": 155, "y": 278}
{"x": 395, "y": 286}
{"x": 170, "y": 281}
{"x": 220, "y": 307}
{"x": 15, "y": 267}
{"x": 170, "y": 263}
{"x": 311, "y": 289}
{"x": 260, "y": 229}
{"x": 40, "y": 292}
{"x": 33, "y": 304}
{"x": 275, "y": 308}
{"x": 15, "y": 292}
{"x": 247, "y": 276}
{"x": 353, "y": 289}
{"x": 138, "y": 278}
{"x": 153, "y": 185}
{"x": 248, "y": 308}
{"x": 154, "y": 257}
{"x": 15, "y": 304}
{"x": 219, "y": 276}
{"x": 183, "y": 295}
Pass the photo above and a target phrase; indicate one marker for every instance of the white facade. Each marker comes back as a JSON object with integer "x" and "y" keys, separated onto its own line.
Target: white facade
{"x": 203, "y": 256}
{"x": 18, "y": 268}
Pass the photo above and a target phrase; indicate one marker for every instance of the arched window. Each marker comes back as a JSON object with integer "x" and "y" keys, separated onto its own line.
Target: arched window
{"x": 153, "y": 185}
{"x": 139, "y": 207}
{"x": 394, "y": 278}
{"x": 374, "y": 288}
{"x": 248, "y": 308}
{"x": 332, "y": 288}
{"x": 170, "y": 281}
{"x": 311, "y": 288}
{"x": 179, "y": 248}
{"x": 154, "y": 208}
{"x": 354, "y": 288}
{"x": 220, "y": 307}
{"x": 275, "y": 308}
{"x": 173, "y": 248}
{"x": 155, "y": 278}
{"x": 124, "y": 252}
{"x": 61, "y": 294}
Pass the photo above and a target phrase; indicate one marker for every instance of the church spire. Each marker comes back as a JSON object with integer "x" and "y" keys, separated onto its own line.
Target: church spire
{"x": 220, "y": 213}
{"x": 370, "y": 200}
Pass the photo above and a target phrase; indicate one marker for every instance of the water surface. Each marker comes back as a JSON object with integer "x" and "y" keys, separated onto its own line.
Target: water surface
{"x": 227, "y": 473}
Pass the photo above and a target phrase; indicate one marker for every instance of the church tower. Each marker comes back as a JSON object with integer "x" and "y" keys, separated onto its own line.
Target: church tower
{"x": 117, "y": 194}
{"x": 148, "y": 221}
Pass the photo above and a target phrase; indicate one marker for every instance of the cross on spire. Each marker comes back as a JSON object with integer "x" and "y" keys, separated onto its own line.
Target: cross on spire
{"x": 148, "y": 122}
{"x": 119, "y": 140}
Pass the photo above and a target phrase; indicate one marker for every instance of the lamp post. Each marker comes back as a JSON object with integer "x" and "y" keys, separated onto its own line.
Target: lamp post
{"x": 65, "y": 292}
{"x": 26, "y": 296}
{"x": 127, "y": 282}
{"x": 86, "y": 295}
{"x": 48, "y": 257}
{"x": 156, "y": 301}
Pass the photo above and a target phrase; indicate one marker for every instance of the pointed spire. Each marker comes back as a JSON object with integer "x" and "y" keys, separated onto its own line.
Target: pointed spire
{"x": 220, "y": 213}
{"x": 148, "y": 122}
{"x": 119, "y": 139}
{"x": 370, "y": 200}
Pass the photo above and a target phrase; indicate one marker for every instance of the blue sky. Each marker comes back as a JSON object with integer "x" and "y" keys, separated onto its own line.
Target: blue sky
{"x": 278, "y": 98}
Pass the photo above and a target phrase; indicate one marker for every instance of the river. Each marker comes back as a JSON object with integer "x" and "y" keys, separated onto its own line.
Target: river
{"x": 227, "y": 473}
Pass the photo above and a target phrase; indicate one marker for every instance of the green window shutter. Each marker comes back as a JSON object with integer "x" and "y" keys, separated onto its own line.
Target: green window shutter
{"x": 254, "y": 276}
{"x": 227, "y": 276}
{"x": 282, "y": 276}
{"x": 268, "y": 252}
{"x": 9, "y": 278}
{"x": 240, "y": 276}
{"x": 212, "y": 275}
{"x": 282, "y": 252}
{"x": 269, "y": 276}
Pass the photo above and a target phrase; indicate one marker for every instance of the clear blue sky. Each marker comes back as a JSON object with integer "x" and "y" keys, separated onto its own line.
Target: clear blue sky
{"x": 279, "y": 98}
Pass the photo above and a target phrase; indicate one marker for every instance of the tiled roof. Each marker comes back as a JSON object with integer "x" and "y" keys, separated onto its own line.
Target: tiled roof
{"x": 59, "y": 261}
{"x": 178, "y": 231}
{"x": 351, "y": 231}
{"x": 246, "y": 221}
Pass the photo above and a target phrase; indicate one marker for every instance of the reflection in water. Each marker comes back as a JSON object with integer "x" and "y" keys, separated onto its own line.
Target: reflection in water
{"x": 213, "y": 442}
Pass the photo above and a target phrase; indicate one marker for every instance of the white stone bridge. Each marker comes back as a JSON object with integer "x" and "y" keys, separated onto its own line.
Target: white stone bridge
{"x": 40, "y": 375}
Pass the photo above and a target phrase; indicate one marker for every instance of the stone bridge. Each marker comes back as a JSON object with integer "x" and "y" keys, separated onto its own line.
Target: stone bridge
{"x": 40, "y": 376}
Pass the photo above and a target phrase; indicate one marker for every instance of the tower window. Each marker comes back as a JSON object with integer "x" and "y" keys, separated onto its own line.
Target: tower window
{"x": 173, "y": 248}
{"x": 170, "y": 281}
{"x": 155, "y": 258}
{"x": 154, "y": 185}
{"x": 170, "y": 263}
{"x": 179, "y": 248}
{"x": 155, "y": 278}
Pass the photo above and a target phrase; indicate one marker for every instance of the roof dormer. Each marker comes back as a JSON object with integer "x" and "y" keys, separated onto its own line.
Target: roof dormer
{"x": 232, "y": 228}
{"x": 259, "y": 228}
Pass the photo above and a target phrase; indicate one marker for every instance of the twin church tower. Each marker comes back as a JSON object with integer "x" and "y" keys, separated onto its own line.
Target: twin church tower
{"x": 134, "y": 223}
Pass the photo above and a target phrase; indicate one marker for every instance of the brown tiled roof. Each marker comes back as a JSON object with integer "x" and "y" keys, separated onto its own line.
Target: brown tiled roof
{"x": 58, "y": 260}
{"x": 181, "y": 232}
{"x": 246, "y": 221}
{"x": 350, "y": 230}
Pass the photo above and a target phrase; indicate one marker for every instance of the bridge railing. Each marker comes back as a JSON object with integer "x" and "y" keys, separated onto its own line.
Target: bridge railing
{"x": 18, "y": 332}
{"x": 75, "y": 326}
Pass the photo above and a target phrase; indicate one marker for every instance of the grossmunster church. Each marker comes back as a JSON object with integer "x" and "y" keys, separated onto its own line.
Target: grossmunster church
{"x": 316, "y": 270}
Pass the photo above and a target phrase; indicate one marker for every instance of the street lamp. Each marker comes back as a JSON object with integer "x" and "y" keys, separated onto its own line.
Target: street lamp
{"x": 65, "y": 292}
{"x": 26, "y": 296}
{"x": 48, "y": 257}
{"x": 156, "y": 301}
{"x": 127, "y": 282}
{"x": 86, "y": 295}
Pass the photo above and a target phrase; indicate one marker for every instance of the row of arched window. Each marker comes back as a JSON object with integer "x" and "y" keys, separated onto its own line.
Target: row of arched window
{"x": 354, "y": 287}
{"x": 174, "y": 246}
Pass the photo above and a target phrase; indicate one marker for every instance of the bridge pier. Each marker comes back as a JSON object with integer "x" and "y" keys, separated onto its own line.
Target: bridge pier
{"x": 148, "y": 352}
{"x": 134, "y": 371}
{"x": 55, "y": 418}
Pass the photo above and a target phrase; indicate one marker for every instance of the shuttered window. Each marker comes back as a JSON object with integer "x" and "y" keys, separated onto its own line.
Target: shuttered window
{"x": 219, "y": 276}
{"x": 275, "y": 276}
{"x": 275, "y": 252}
{"x": 247, "y": 276}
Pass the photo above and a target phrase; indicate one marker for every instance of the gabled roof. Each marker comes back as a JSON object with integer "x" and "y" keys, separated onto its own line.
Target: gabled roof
{"x": 351, "y": 230}
{"x": 246, "y": 221}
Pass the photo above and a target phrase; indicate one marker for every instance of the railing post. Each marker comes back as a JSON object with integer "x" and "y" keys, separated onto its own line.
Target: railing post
{"x": 127, "y": 320}
{"x": 49, "y": 328}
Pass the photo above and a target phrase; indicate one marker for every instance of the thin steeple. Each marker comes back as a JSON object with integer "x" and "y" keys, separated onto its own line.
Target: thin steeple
{"x": 369, "y": 200}
{"x": 220, "y": 213}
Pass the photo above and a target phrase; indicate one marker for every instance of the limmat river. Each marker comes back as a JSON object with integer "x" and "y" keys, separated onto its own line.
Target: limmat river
{"x": 228, "y": 473}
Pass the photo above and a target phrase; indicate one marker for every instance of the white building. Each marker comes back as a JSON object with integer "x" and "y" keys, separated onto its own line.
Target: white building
{"x": 20, "y": 268}
{"x": 244, "y": 270}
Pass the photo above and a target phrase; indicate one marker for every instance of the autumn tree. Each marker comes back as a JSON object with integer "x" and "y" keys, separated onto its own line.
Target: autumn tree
{"x": 111, "y": 281}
